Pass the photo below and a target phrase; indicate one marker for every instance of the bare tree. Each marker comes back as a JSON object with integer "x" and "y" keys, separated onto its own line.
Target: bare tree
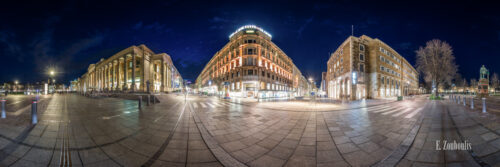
{"x": 464, "y": 85}
{"x": 458, "y": 81}
{"x": 495, "y": 82}
{"x": 436, "y": 62}
{"x": 473, "y": 84}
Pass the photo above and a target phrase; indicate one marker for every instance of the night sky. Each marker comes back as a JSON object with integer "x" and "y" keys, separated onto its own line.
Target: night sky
{"x": 70, "y": 35}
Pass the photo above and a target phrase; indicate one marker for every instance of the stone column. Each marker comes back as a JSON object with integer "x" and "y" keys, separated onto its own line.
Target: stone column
{"x": 124, "y": 87}
{"x": 133, "y": 71}
{"x": 114, "y": 74}
{"x": 111, "y": 71}
{"x": 105, "y": 76}
{"x": 103, "y": 80}
{"x": 109, "y": 77}
{"x": 117, "y": 74}
{"x": 108, "y": 72}
{"x": 142, "y": 76}
{"x": 162, "y": 86}
{"x": 99, "y": 78}
{"x": 95, "y": 78}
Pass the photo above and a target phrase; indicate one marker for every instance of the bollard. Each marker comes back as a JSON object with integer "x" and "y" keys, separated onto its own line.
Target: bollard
{"x": 484, "y": 104}
{"x": 140, "y": 102}
{"x": 472, "y": 103}
{"x": 3, "y": 108}
{"x": 34, "y": 117}
{"x": 464, "y": 100}
{"x": 458, "y": 101}
{"x": 154, "y": 100}
{"x": 149, "y": 99}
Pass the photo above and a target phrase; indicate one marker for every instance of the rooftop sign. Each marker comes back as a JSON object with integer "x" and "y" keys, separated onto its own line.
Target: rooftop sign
{"x": 250, "y": 27}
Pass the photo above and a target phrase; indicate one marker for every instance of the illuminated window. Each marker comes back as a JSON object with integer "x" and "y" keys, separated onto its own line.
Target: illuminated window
{"x": 251, "y": 51}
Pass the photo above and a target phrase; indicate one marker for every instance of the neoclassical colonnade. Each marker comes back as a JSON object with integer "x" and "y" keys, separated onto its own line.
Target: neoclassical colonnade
{"x": 136, "y": 68}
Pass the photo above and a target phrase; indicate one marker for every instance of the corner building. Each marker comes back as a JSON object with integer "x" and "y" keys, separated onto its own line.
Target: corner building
{"x": 367, "y": 68}
{"x": 250, "y": 65}
{"x": 132, "y": 70}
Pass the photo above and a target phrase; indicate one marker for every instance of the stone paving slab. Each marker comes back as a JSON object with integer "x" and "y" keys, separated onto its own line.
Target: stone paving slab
{"x": 200, "y": 131}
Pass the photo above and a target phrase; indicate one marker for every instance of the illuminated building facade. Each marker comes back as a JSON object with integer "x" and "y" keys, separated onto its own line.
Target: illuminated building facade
{"x": 132, "y": 70}
{"x": 250, "y": 65}
{"x": 363, "y": 67}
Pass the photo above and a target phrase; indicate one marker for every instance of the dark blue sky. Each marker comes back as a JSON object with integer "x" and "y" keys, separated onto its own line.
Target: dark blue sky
{"x": 70, "y": 35}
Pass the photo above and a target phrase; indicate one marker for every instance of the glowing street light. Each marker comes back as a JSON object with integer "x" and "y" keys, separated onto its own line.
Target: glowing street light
{"x": 16, "y": 82}
{"x": 52, "y": 73}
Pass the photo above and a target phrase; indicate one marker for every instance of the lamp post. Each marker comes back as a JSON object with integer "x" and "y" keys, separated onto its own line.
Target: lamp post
{"x": 15, "y": 85}
{"x": 311, "y": 80}
{"x": 51, "y": 76}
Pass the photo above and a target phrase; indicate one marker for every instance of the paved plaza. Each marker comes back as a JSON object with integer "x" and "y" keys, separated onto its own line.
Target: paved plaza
{"x": 193, "y": 130}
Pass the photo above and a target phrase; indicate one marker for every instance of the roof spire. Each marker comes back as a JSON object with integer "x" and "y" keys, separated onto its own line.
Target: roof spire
{"x": 352, "y": 30}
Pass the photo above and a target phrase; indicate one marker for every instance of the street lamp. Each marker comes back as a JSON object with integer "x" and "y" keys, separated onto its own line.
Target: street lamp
{"x": 51, "y": 76}
{"x": 15, "y": 85}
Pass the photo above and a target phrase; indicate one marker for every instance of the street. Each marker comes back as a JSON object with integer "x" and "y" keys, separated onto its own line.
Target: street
{"x": 207, "y": 131}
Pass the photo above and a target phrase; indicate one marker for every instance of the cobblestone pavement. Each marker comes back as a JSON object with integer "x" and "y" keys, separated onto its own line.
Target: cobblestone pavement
{"x": 204, "y": 131}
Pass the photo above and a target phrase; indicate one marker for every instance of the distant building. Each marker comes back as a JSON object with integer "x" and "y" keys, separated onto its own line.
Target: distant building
{"x": 363, "y": 67}
{"x": 251, "y": 65}
{"x": 322, "y": 87}
{"x": 74, "y": 85}
{"x": 132, "y": 70}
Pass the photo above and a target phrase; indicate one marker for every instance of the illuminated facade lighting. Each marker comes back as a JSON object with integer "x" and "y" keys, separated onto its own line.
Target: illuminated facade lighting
{"x": 135, "y": 68}
{"x": 251, "y": 65}
{"x": 363, "y": 67}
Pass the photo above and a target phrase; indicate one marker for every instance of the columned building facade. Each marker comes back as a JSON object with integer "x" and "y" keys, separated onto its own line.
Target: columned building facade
{"x": 250, "y": 65}
{"x": 134, "y": 69}
{"x": 363, "y": 67}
